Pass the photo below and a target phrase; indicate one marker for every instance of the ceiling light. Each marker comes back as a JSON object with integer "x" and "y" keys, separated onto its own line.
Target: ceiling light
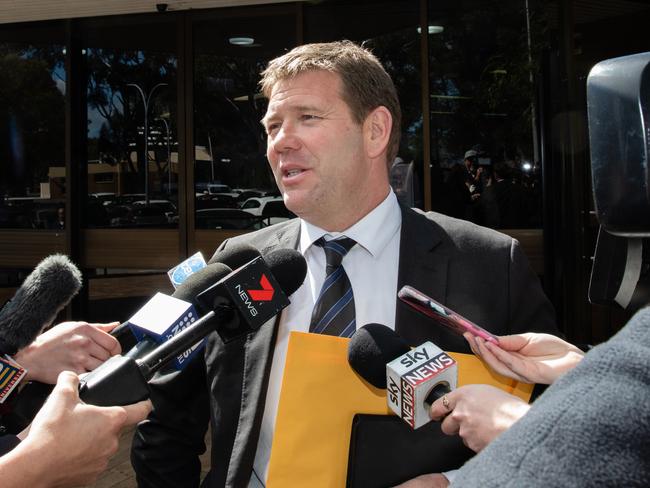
{"x": 241, "y": 41}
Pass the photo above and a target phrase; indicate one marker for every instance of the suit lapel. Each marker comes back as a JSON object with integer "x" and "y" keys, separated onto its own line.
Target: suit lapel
{"x": 258, "y": 355}
{"x": 423, "y": 265}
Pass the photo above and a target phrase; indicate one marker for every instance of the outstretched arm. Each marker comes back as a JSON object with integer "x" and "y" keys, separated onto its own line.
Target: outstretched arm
{"x": 69, "y": 443}
{"x": 530, "y": 357}
{"x": 68, "y": 346}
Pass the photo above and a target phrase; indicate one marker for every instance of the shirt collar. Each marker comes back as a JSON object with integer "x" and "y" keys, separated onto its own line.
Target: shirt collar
{"x": 372, "y": 232}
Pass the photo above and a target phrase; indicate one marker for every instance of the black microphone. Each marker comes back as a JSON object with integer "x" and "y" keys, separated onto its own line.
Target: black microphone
{"x": 220, "y": 264}
{"x": 44, "y": 293}
{"x": 414, "y": 378}
{"x": 371, "y": 348}
{"x": 257, "y": 290}
{"x": 186, "y": 291}
{"x": 239, "y": 303}
{"x": 233, "y": 256}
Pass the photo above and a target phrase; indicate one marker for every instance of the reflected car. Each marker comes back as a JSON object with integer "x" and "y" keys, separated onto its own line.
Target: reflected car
{"x": 165, "y": 206}
{"x": 219, "y": 200}
{"x": 271, "y": 209}
{"x": 227, "y": 219}
{"x": 149, "y": 216}
{"x": 244, "y": 194}
{"x": 120, "y": 215}
{"x": 129, "y": 198}
{"x": 106, "y": 198}
{"x": 46, "y": 218}
{"x": 218, "y": 188}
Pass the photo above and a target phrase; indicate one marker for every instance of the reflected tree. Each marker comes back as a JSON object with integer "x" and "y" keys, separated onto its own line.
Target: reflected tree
{"x": 480, "y": 79}
{"x": 31, "y": 126}
{"x": 227, "y": 119}
{"x": 115, "y": 112}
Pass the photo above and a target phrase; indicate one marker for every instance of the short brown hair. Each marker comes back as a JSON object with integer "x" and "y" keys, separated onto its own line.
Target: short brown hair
{"x": 366, "y": 85}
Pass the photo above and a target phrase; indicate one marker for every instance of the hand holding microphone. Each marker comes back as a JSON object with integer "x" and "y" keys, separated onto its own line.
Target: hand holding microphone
{"x": 69, "y": 443}
{"x": 477, "y": 413}
{"x": 44, "y": 293}
{"x": 237, "y": 304}
{"x": 188, "y": 284}
{"x": 68, "y": 346}
{"x": 421, "y": 386}
{"x": 414, "y": 379}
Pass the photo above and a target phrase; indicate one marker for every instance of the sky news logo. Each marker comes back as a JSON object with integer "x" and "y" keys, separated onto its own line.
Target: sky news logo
{"x": 423, "y": 372}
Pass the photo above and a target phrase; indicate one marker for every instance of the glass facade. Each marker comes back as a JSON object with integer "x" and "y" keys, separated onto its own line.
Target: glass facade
{"x": 130, "y": 73}
{"x": 482, "y": 62}
{"x": 234, "y": 188}
{"x": 32, "y": 128}
{"x": 130, "y": 142}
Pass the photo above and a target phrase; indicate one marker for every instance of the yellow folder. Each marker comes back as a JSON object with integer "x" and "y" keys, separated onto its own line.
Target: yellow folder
{"x": 320, "y": 395}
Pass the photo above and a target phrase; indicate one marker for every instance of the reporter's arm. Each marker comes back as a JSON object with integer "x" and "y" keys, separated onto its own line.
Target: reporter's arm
{"x": 69, "y": 346}
{"x": 69, "y": 443}
{"x": 530, "y": 357}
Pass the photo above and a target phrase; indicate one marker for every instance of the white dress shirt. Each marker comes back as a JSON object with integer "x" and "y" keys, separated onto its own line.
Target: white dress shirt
{"x": 371, "y": 266}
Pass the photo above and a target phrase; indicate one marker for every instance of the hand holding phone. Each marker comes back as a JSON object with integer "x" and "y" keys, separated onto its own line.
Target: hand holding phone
{"x": 443, "y": 315}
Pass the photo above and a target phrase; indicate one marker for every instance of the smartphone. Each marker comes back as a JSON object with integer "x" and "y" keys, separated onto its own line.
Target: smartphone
{"x": 443, "y": 315}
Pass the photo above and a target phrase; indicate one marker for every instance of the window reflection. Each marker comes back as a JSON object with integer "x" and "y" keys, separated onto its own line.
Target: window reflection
{"x": 485, "y": 163}
{"x": 132, "y": 143}
{"x": 234, "y": 187}
{"x": 32, "y": 173}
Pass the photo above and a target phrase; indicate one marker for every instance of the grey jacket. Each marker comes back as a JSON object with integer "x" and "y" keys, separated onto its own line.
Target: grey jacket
{"x": 590, "y": 428}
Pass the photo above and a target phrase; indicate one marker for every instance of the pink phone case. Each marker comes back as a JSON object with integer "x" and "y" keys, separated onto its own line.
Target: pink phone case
{"x": 442, "y": 315}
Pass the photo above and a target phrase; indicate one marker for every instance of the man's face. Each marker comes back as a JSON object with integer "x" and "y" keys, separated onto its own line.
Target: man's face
{"x": 316, "y": 150}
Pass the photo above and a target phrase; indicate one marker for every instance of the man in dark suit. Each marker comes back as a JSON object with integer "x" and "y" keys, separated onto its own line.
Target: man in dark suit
{"x": 333, "y": 126}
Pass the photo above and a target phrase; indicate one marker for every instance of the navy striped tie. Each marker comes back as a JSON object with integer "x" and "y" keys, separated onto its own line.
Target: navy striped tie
{"x": 334, "y": 309}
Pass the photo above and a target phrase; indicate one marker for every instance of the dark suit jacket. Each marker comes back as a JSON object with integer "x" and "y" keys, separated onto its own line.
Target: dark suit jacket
{"x": 475, "y": 271}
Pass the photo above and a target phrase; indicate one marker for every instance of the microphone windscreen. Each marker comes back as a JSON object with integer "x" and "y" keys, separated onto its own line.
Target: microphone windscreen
{"x": 235, "y": 255}
{"x": 288, "y": 267}
{"x": 44, "y": 293}
{"x": 371, "y": 348}
{"x": 200, "y": 280}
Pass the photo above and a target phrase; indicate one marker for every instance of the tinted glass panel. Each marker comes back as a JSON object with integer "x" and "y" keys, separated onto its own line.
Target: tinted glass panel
{"x": 32, "y": 129}
{"x": 132, "y": 137}
{"x": 482, "y": 58}
{"x": 230, "y": 166}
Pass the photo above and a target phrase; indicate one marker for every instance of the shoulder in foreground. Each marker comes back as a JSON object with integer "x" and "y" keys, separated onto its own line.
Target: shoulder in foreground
{"x": 463, "y": 231}
{"x": 269, "y": 237}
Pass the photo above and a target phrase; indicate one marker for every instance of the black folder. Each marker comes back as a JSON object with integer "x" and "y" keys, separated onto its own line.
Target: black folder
{"x": 384, "y": 451}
